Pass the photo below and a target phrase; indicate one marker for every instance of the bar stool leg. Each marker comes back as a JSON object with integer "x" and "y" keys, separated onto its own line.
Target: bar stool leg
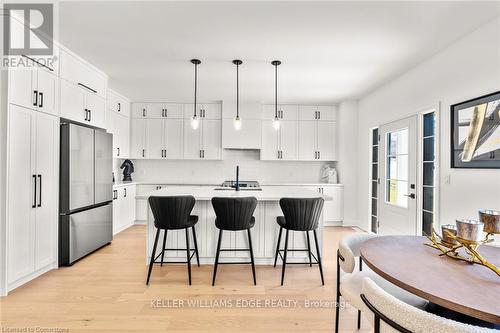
{"x": 153, "y": 255}
{"x": 217, "y": 256}
{"x": 278, "y": 247}
{"x": 251, "y": 256}
{"x": 188, "y": 252}
{"x": 284, "y": 258}
{"x": 164, "y": 242}
{"x": 309, "y": 248}
{"x": 319, "y": 257}
{"x": 196, "y": 247}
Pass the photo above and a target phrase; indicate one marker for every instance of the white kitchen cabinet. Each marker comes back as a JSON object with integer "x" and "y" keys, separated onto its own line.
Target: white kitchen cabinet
{"x": 32, "y": 192}
{"x": 35, "y": 88}
{"x": 192, "y": 141}
{"x": 333, "y": 211}
{"x": 279, "y": 144}
{"x": 318, "y": 112}
{"x": 164, "y": 110}
{"x": 205, "y": 142}
{"x": 138, "y": 138}
{"x": 118, "y": 103}
{"x": 78, "y": 72}
{"x": 285, "y": 111}
{"x": 81, "y": 105}
{"x": 327, "y": 140}
{"x": 173, "y": 138}
{"x": 139, "y": 110}
{"x": 317, "y": 140}
{"x": 164, "y": 138}
{"x": 124, "y": 205}
{"x": 204, "y": 110}
{"x": 154, "y": 138}
{"x": 212, "y": 139}
{"x": 119, "y": 126}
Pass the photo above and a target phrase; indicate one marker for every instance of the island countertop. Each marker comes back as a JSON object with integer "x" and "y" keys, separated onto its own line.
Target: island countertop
{"x": 204, "y": 193}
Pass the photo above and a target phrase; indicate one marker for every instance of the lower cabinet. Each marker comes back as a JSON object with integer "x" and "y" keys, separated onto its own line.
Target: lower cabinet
{"x": 333, "y": 210}
{"x": 123, "y": 207}
{"x": 32, "y": 194}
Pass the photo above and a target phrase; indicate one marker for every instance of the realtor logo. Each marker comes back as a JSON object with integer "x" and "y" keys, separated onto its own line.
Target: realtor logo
{"x": 28, "y": 29}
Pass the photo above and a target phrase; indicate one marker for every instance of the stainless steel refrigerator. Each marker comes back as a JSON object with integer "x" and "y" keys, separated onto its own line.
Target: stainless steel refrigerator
{"x": 86, "y": 187}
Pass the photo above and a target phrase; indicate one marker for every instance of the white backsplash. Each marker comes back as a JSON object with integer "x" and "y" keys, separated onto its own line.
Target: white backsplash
{"x": 214, "y": 172}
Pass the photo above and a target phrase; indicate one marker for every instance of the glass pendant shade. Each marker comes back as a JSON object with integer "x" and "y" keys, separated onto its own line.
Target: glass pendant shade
{"x": 237, "y": 123}
{"x": 195, "y": 122}
{"x": 276, "y": 123}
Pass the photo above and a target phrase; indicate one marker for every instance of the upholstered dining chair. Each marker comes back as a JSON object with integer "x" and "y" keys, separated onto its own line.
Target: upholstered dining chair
{"x": 392, "y": 315}
{"x": 349, "y": 285}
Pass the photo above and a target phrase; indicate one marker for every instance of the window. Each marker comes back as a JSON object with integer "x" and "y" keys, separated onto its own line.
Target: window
{"x": 374, "y": 180}
{"x": 428, "y": 172}
{"x": 397, "y": 168}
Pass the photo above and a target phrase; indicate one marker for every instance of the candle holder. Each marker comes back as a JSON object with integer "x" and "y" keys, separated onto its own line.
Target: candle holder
{"x": 461, "y": 248}
{"x": 491, "y": 220}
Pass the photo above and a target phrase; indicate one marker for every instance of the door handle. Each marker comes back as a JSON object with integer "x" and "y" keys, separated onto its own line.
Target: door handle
{"x": 319, "y": 155}
{"x": 86, "y": 114}
{"x": 143, "y": 152}
{"x": 125, "y": 192}
{"x": 315, "y": 114}
{"x": 34, "y": 194}
{"x": 319, "y": 114}
{"x": 41, "y": 100}
{"x": 163, "y": 112}
{"x": 35, "y": 93}
{"x": 119, "y": 107}
{"x": 166, "y": 113}
{"x": 411, "y": 196}
{"x": 144, "y": 112}
{"x": 90, "y": 115}
{"x": 40, "y": 191}
{"x": 118, "y": 151}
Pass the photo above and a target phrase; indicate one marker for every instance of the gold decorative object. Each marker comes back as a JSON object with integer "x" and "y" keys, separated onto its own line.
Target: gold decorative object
{"x": 461, "y": 248}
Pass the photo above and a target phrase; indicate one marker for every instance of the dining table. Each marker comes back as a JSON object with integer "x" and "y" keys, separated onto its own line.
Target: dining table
{"x": 465, "y": 288}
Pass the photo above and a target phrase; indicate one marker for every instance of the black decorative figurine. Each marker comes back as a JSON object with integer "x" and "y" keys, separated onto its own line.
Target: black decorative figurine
{"x": 128, "y": 169}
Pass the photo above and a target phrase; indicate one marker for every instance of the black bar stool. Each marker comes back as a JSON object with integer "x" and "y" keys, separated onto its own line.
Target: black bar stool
{"x": 234, "y": 214}
{"x": 300, "y": 214}
{"x": 173, "y": 213}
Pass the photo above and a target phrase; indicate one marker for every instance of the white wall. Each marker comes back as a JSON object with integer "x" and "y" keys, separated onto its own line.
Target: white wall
{"x": 347, "y": 165}
{"x": 467, "y": 69}
{"x": 215, "y": 172}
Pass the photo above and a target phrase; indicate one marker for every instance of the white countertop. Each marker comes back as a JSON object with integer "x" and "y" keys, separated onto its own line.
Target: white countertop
{"x": 266, "y": 194}
{"x": 122, "y": 183}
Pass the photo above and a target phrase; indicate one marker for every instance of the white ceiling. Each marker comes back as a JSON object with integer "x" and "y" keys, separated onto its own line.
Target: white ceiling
{"x": 330, "y": 50}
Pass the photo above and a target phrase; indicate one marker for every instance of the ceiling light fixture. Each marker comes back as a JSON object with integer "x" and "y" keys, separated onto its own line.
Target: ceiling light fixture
{"x": 237, "y": 120}
{"x": 195, "y": 121}
{"x": 276, "y": 120}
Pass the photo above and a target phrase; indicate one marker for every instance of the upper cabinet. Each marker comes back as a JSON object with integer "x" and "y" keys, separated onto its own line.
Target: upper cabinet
{"x": 118, "y": 103}
{"x": 118, "y": 123}
{"x": 83, "y": 91}
{"x": 158, "y": 110}
{"x": 317, "y": 133}
{"x": 285, "y": 111}
{"x": 35, "y": 87}
{"x": 80, "y": 73}
{"x": 279, "y": 144}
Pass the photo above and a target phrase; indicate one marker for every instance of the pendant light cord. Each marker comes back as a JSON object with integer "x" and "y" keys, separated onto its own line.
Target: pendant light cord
{"x": 276, "y": 90}
{"x": 195, "y": 84}
{"x": 237, "y": 91}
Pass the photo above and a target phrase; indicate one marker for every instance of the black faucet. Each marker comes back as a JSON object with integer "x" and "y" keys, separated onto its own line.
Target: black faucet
{"x": 237, "y": 185}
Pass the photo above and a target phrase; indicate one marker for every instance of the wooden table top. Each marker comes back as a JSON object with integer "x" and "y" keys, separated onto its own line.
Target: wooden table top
{"x": 466, "y": 288}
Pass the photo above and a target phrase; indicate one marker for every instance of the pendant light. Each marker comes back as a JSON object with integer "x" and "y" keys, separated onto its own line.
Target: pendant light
{"x": 195, "y": 121}
{"x": 276, "y": 120}
{"x": 237, "y": 120}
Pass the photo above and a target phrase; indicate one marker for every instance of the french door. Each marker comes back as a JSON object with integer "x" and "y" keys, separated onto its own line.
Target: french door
{"x": 398, "y": 177}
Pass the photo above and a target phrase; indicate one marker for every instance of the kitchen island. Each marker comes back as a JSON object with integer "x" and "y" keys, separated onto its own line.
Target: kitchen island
{"x": 264, "y": 233}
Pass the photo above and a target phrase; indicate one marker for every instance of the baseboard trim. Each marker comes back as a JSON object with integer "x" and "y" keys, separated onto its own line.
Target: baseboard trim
{"x": 19, "y": 282}
{"x": 123, "y": 228}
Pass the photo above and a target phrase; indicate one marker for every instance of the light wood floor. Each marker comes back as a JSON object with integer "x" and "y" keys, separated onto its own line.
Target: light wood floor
{"x": 106, "y": 292}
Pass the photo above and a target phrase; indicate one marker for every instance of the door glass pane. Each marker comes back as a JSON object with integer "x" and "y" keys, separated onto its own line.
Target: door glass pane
{"x": 397, "y": 168}
{"x": 429, "y": 149}
{"x": 429, "y": 124}
{"x": 428, "y": 174}
{"x": 428, "y": 202}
